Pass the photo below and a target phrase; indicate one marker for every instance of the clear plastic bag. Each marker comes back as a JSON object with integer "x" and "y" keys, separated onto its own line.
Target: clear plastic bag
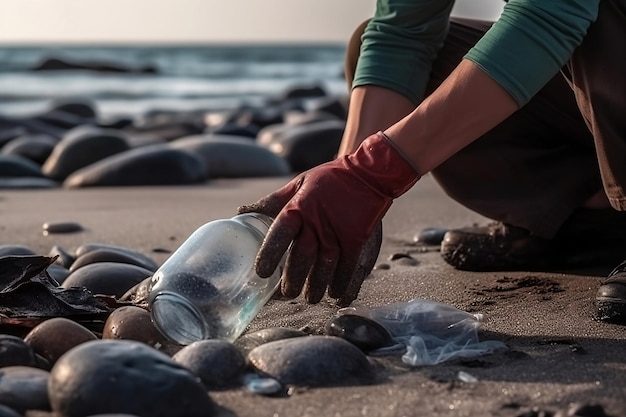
{"x": 432, "y": 332}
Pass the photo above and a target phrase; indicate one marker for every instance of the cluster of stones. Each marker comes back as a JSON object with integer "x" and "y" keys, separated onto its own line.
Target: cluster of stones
{"x": 70, "y": 146}
{"x": 129, "y": 368}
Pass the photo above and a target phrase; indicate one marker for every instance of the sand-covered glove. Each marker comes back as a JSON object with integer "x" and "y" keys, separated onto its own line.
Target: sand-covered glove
{"x": 327, "y": 214}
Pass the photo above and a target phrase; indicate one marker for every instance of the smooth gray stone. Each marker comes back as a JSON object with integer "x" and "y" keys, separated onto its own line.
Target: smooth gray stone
{"x": 295, "y": 117}
{"x": 109, "y": 278}
{"x": 232, "y": 129}
{"x": 15, "y": 352}
{"x": 218, "y": 363}
{"x": 81, "y": 108}
{"x": 364, "y": 333}
{"x": 249, "y": 341}
{"x": 16, "y": 250}
{"x": 24, "y": 388}
{"x": 93, "y": 246}
{"x": 149, "y": 165}
{"x": 81, "y": 147}
{"x": 331, "y": 105}
{"x": 58, "y": 272}
{"x": 111, "y": 255}
{"x": 306, "y": 146}
{"x": 17, "y": 166}
{"x": 36, "y": 148}
{"x": 31, "y": 183}
{"x": 431, "y": 235}
{"x": 312, "y": 361}
{"x": 8, "y": 412}
{"x": 233, "y": 157}
{"x": 65, "y": 258}
{"x": 121, "y": 376}
{"x": 50, "y": 228}
{"x": 303, "y": 91}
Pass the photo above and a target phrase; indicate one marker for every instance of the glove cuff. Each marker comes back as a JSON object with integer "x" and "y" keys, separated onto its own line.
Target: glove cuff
{"x": 383, "y": 166}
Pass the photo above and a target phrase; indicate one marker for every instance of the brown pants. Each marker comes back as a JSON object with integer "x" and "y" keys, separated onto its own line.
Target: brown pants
{"x": 539, "y": 165}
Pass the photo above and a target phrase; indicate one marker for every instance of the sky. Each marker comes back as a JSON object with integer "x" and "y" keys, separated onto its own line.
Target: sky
{"x": 194, "y": 21}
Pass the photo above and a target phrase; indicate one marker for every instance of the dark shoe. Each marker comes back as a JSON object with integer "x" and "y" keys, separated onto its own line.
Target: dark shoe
{"x": 588, "y": 238}
{"x": 495, "y": 247}
{"x": 611, "y": 296}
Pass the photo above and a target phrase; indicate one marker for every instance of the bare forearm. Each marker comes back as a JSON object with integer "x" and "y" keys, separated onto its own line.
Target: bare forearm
{"x": 468, "y": 104}
{"x": 372, "y": 109}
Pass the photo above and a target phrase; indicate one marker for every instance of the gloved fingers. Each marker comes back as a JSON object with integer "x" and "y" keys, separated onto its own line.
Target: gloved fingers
{"x": 273, "y": 203}
{"x": 321, "y": 274}
{"x": 346, "y": 288}
{"x": 299, "y": 262}
{"x": 281, "y": 233}
{"x": 346, "y": 265}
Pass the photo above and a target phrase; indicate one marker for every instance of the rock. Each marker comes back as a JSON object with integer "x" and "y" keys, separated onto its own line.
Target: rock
{"x": 17, "y": 166}
{"x": 313, "y": 361}
{"x": 230, "y": 129}
{"x": 8, "y": 412}
{"x": 364, "y": 333}
{"x": 132, "y": 323}
{"x": 330, "y": 105}
{"x": 138, "y": 294}
{"x": 23, "y": 388}
{"x": 93, "y": 246}
{"x": 15, "y": 352}
{"x": 430, "y": 236}
{"x": 65, "y": 258}
{"x": 50, "y": 228}
{"x": 52, "y": 64}
{"x": 16, "y": 250}
{"x": 109, "y": 278}
{"x": 112, "y": 255}
{"x": 218, "y": 363}
{"x": 149, "y": 165}
{"x": 36, "y": 148}
{"x": 81, "y": 147}
{"x": 249, "y": 341}
{"x": 52, "y": 338}
{"x": 120, "y": 376}
{"x": 58, "y": 272}
{"x": 298, "y": 92}
{"x": 21, "y": 183}
{"x": 306, "y": 146}
{"x": 232, "y": 157}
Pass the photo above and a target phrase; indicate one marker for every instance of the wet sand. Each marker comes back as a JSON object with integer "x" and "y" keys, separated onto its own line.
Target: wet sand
{"x": 558, "y": 354}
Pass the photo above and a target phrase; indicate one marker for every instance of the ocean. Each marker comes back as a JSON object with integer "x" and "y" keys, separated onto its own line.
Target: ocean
{"x": 170, "y": 78}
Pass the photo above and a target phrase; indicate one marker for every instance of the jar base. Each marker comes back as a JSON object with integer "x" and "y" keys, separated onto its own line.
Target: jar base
{"x": 177, "y": 319}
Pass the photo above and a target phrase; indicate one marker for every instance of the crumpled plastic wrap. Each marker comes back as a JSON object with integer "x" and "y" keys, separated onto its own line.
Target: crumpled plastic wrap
{"x": 432, "y": 332}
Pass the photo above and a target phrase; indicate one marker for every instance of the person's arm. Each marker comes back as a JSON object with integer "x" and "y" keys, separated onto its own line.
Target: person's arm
{"x": 527, "y": 46}
{"x": 399, "y": 46}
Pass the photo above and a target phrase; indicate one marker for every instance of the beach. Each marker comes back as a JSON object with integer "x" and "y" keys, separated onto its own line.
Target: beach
{"x": 558, "y": 356}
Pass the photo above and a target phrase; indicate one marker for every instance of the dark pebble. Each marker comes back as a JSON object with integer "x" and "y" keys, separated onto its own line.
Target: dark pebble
{"x": 108, "y": 278}
{"x": 89, "y": 247}
{"x": 120, "y": 376}
{"x": 8, "y": 412}
{"x": 312, "y": 361}
{"x": 132, "y": 323}
{"x": 364, "y": 333}
{"x": 65, "y": 258}
{"x": 24, "y": 388}
{"x": 58, "y": 272}
{"x": 52, "y": 338}
{"x": 430, "y": 236}
{"x": 17, "y": 166}
{"x": 249, "y": 341}
{"x": 112, "y": 255}
{"x": 139, "y": 293}
{"x": 50, "y": 228}
{"x": 584, "y": 410}
{"x": 15, "y": 250}
{"x": 15, "y": 352}
{"x": 218, "y": 363}
{"x": 403, "y": 259}
{"x": 382, "y": 267}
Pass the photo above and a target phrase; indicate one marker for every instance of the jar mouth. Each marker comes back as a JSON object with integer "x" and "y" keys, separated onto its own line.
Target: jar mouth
{"x": 177, "y": 319}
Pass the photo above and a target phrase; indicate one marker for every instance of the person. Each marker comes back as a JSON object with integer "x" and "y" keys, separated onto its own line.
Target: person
{"x": 522, "y": 120}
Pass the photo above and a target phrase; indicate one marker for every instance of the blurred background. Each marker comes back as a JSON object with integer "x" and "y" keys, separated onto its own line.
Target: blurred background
{"x": 129, "y": 58}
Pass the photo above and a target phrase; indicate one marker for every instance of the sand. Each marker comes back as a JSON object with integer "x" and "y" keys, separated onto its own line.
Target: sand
{"x": 558, "y": 354}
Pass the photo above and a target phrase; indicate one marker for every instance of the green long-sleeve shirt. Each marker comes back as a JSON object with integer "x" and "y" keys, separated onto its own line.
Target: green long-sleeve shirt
{"x": 524, "y": 48}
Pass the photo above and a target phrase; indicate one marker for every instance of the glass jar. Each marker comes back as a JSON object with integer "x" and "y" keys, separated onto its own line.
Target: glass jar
{"x": 208, "y": 288}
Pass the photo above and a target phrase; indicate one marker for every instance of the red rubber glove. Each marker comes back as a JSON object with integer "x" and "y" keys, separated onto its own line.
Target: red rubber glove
{"x": 329, "y": 212}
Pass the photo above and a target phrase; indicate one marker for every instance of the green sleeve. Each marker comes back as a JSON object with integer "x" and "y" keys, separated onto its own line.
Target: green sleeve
{"x": 531, "y": 41}
{"x": 400, "y": 44}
